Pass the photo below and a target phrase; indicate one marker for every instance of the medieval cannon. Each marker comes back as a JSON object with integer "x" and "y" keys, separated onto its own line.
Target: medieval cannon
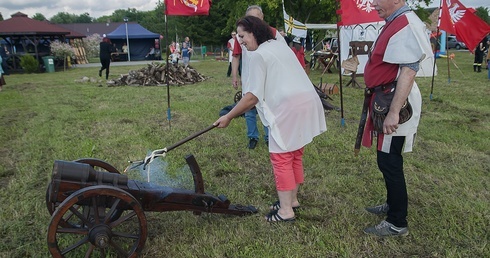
{"x": 98, "y": 211}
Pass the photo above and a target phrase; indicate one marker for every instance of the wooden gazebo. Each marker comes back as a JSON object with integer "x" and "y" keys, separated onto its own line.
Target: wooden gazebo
{"x": 26, "y": 36}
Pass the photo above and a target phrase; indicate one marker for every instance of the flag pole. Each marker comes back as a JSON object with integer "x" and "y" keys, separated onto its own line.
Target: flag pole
{"x": 435, "y": 52}
{"x": 167, "y": 50}
{"x": 342, "y": 120}
{"x": 448, "y": 68}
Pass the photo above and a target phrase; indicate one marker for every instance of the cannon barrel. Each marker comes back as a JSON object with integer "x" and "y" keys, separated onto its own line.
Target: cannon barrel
{"x": 69, "y": 176}
{"x": 80, "y": 172}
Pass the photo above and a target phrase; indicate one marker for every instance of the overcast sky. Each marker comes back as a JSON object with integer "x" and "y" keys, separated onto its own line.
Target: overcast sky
{"x": 95, "y": 8}
{"x": 98, "y": 8}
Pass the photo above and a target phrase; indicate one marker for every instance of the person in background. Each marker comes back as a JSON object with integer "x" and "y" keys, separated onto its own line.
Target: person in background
{"x": 175, "y": 55}
{"x": 151, "y": 54}
{"x": 241, "y": 53}
{"x": 105, "y": 56}
{"x": 188, "y": 42}
{"x": 479, "y": 53}
{"x": 326, "y": 45}
{"x": 171, "y": 47}
{"x": 287, "y": 104}
{"x": 229, "y": 45}
{"x": 177, "y": 52}
{"x": 299, "y": 51}
{"x": 2, "y": 80}
{"x": 186, "y": 52}
{"x": 391, "y": 67}
{"x": 177, "y": 47}
{"x": 124, "y": 48}
{"x": 286, "y": 38}
{"x": 158, "y": 52}
{"x": 4, "y": 53}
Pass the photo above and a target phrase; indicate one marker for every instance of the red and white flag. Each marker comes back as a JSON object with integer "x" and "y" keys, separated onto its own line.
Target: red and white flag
{"x": 456, "y": 19}
{"x": 357, "y": 11}
{"x": 187, "y": 7}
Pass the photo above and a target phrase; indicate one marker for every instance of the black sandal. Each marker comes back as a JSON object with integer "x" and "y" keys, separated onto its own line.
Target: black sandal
{"x": 277, "y": 205}
{"x": 274, "y": 216}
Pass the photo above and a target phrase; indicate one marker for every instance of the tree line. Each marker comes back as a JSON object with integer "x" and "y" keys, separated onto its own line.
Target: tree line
{"x": 215, "y": 29}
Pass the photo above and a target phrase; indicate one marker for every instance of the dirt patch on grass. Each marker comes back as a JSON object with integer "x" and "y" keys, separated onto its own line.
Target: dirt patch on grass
{"x": 25, "y": 86}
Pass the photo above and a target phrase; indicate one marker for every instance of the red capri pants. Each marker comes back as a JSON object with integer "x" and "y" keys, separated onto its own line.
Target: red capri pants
{"x": 288, "y": 169}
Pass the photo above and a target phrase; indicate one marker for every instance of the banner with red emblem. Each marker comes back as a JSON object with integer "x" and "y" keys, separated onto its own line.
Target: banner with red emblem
{"x": 357, "y": 12}
{"x": 187, "y": 7}
{"x": 456, "y": 19}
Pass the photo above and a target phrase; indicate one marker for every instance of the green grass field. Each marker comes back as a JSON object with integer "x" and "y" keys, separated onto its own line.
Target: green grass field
{"x": 47, "y": 117}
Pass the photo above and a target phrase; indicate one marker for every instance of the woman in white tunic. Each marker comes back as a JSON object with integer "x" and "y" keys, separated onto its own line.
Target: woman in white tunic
{"x": 287, "y": 104}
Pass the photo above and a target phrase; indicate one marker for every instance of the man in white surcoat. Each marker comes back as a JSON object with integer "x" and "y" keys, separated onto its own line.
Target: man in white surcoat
{"x": 395, "y": 59}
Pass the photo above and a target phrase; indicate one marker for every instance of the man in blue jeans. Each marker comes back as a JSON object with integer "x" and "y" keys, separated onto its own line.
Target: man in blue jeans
{"x": 251, "y": 122}
{"x": 253, "y": 130}
{"x": 240, "y": 53}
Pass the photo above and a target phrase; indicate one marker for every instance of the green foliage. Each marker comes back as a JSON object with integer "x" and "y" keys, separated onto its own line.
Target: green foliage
{"x": 64, "y": 17}
{"x": 92, "y": 45}
{"x": 29, "y": 64}
{"x": 311, "y": 11}
{"x": 39, "y": 17}
{"x": 423, "y": 14}
{"x": 483, "y": 12}
{"x": 61, "y": 49}
{"x": 84, "y": 18}
{"x": 118, "y": 15}
{"x": 154, "y": 20}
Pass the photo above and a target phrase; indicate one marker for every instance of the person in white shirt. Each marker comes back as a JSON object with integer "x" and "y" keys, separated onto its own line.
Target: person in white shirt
{"x": 230, "y": 45}
{"x": 287, "y": 104}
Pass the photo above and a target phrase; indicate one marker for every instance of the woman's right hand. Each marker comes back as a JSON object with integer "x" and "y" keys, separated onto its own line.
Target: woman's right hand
{"x": 222, "y": 122}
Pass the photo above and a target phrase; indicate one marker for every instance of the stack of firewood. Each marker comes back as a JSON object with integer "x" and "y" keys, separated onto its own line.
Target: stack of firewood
{"x": 154, "y": 75}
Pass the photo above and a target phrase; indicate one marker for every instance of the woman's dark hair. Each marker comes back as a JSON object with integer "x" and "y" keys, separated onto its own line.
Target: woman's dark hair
{"x": 259, "y": 28}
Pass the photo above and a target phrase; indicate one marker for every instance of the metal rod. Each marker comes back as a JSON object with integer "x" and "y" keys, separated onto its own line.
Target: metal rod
{"x": 167, "y": 51}
{"x": 127, "y": 38}
{"x": 342, "y": 120}
{"x": 189, "y": 138}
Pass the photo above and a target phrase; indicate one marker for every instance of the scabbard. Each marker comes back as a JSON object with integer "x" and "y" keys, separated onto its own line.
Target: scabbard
{"x": 362, "y": 122}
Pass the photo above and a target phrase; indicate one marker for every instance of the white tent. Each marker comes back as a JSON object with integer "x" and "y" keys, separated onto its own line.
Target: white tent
{"x": 358, "y": 32}
{"x": 365, "y": 32}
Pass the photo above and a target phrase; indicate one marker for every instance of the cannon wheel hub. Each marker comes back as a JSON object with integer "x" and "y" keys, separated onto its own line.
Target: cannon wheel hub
{"x": 100, "y": 235}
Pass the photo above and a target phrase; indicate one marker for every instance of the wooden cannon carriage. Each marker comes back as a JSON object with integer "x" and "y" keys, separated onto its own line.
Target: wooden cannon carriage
{"x": 98, "y": 211}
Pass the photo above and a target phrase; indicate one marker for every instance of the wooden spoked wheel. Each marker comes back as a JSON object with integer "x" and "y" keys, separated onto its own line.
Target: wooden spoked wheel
{"x": 89, "y": 223}
{"x": 97, "y": 164}
{"x": 238, "y": 96}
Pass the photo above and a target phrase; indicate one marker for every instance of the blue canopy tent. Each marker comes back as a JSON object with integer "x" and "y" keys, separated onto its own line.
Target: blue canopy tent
{"x": 140, "y": 40}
